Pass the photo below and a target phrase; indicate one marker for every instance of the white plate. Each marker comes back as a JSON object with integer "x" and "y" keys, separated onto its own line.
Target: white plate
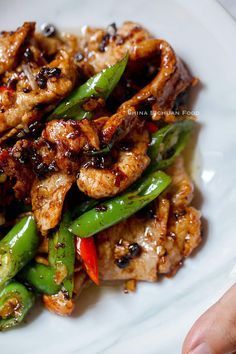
{"x": 157, "y": 317}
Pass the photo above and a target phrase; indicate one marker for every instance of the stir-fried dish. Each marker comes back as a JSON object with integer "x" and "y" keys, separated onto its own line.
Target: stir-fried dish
{"x": 93, "y": 185}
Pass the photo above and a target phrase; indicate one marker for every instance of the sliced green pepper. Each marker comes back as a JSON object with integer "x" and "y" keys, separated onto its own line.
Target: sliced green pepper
{"x": 98, "y": 86}
{"x": 121, "y": 207}
{"x": 62, "y": 255}
{"x": 17, "y": 248}
{"x": 103, "y": 151}
{"x": 167, "y": 143}
{"x": 40, "y": 277}
{"x": 15, "y": 302}
{"x": 84, "y": 206}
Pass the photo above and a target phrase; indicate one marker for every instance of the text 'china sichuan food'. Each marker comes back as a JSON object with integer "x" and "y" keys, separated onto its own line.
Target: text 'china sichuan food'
{"x": 92, "y": 182}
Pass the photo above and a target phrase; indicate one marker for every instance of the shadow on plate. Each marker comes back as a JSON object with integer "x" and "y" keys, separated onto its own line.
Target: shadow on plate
{"x": 91, "y": 294}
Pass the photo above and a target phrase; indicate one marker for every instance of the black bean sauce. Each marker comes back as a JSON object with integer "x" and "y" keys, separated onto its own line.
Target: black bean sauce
{"x": 134, "y": 250}
{"x": 46, "y": 73}
{"x": 122, "y": 262}
{"x": 48, "y": 30}
{"x": 110, "y": 34}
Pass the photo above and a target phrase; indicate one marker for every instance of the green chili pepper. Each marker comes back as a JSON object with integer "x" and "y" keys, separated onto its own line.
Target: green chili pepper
{"x": 99, "y": 86}
{"x": 103, "y": 151}
{"x": 121, "y": 207}
{"x": 51, "y": 279}
{"x": 17, "y": 248}
{"x": 84, "y": 206}
{"x": 62, "y": 255}
{"x": 40, "y": 277}
{"x": 167, "y": 143}
{"x": 15, "y": 302}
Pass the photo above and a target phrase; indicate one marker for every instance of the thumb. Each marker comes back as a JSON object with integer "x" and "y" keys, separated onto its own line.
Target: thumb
{"x": 215, "y": 331}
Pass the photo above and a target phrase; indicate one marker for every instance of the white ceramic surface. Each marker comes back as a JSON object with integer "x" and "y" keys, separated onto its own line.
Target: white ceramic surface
{"x": 157, "y": 317}
{"x": 230, "y": 6}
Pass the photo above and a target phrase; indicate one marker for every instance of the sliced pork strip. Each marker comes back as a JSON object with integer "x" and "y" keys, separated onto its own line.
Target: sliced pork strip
{"x": 48, "y": 197}
{"x": 183, "y": 236}
{"x": 10, "y": 45}
{"x": 23, "y": 108}
{"x": 113, "y": 246}
{"x": 18, "y": 175}
{"x": 102, "y": 48}
{"x": 101, "y": 183}
{"x": 164, "y": 240}
{"x": 73, "y": 135}
{"x": 181, "y": 189}
{"x": 171, "y": 79}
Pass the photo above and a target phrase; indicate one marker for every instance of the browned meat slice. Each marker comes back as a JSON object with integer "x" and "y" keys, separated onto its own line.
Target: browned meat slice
{"x": 101, "y": 183}
{"x": 48, "y": 45}
{"x": 47, "y": 197}
{"x": 182, "y": 188}
{"x": 114, "y": 246}
{"x": 141, "y": 248}
{"x": 10, "y": 45}
{"x": 23, "y": 108}
{"x": 18, "y": 175}
{"x": 37, "y": 75}
{"x": 103, "y": 48}
{"x": 62, "y": 142}
{"x": 59, "y": 304}
{"x": 119, "y": 125}
{"x": 183, "y": 236}
{"x": 51, "y": 152}
{"x": 73, "y": 135}
{"x": 171, "y": 79}
{"x": 56, "y": 150}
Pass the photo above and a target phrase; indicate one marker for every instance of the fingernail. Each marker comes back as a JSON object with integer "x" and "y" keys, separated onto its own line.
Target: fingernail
{"x": 202, "y": 349}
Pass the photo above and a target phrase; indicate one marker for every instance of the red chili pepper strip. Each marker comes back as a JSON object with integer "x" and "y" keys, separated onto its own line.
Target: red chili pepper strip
{"x": 5, "y": 88}
{"x": 151, "y": 127}
{"x": 86, "y": 248}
